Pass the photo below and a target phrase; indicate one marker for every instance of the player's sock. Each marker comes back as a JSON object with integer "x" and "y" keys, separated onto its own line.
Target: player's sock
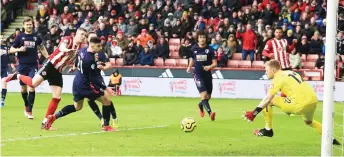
{"x": 268, "y": 117}
{"x": 206, "y": 105}
{"x": 31, "y": 100}
{"x": 26, "y": 79}
{"x": 93, "y": 105}
{"x": 51, "y": 108}
{"x": 24, "y": 96}
{"x": 106, "y": 115}
{"x": 200, "y": 105}
{"x": 317, "y": 126}
{"x": 65, "y": 111}
{"x": 113, "y": 111}
{"x": 3, "y": 94}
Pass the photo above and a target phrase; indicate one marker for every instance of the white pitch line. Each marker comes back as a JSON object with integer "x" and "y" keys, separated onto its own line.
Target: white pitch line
{"x": 77, "y": 134}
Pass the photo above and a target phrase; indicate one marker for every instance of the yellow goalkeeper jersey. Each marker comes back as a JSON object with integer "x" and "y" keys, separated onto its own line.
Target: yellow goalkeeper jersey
{"x": 294, "y": 87}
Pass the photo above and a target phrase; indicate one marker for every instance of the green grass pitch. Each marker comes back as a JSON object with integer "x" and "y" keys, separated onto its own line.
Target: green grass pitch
{"x": 151, "y": 126}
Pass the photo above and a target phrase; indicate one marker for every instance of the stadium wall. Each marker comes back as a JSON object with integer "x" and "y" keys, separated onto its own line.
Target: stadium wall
{"x": 185, "y": 87}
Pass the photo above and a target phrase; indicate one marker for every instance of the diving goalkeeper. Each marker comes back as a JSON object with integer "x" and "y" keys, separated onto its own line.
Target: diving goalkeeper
{"x": 300, "y": 99}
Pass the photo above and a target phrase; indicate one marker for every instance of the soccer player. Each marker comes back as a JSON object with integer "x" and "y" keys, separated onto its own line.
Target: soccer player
{"x": 63, "y": 56}
{"x": 278, "y": 48}
{"x": 103, "y": 63}
{"x": 301, "y": 99}
{"x": 203, "y": 59}
{"x": 4, "y": 69}
{"x": 87, "y": 84}
{"x": 25, "y": 45}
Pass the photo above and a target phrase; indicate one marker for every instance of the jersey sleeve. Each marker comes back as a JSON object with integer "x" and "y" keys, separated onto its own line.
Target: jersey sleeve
{"x": 17, "y": 42}
{"x": 275, "y": 86}
{"x": 268, "y": 49}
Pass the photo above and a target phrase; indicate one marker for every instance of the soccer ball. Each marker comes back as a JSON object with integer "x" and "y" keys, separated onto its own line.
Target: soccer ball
{"x": 188, "y": 124}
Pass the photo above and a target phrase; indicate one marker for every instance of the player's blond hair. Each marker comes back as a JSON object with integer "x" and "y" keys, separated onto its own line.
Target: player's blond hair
{"x": 273, "y": 64}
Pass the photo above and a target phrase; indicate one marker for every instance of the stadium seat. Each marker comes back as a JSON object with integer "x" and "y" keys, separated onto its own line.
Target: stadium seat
{"x": 112, "y": 61}
{"x": 119, "y": 61}
{"x": 174, "y": 42}
{"x": 170, "y": 62}
{"x": 312, "y": 58}
{"x": 233, "y": 63}
{"x": 308, "y": 65}
{"x": 237, "y": 56}
{"x": 174, "y": 54}
{"x": 245, "y": 64}
{"x": 159, "y": 62}
{"x": 183, "y": 62}
{"x": 303, "y": 58}
{"x": 258, "y": 64}
{"x": 316, "y": 78}
{"x": 173, "y": 48}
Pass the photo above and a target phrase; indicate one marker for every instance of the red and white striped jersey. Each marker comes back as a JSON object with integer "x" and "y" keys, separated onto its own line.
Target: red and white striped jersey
{"x": 61, "y": 60}
{"x": 280, "y": 50}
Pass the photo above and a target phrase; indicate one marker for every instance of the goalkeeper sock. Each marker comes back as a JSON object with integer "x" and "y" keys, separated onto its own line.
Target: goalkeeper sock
{"x": 268, "y": 117}
{"x": 93, "y": 105}
{"x": 206, "y": 105}
{"x": 65, "y": 111}
{"x": 317, "y": 126}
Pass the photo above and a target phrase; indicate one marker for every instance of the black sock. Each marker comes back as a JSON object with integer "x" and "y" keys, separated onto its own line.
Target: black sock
{"x": 200, "y": 105}
{"x": 31, "y": 100}
{"x": 206, "y": 105}
{"x": 106, "y": 115}
{"x": 24, "y": 96}
{"x": 93, "y": 105}
{"x": 113, "y": 111}
{"x": 3, "y": 94}
{"x": 65, "y": 111}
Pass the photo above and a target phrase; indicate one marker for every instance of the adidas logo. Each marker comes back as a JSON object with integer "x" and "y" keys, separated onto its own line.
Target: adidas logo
{"x": 167, "y": 74}
{"x": 217, "y": 75}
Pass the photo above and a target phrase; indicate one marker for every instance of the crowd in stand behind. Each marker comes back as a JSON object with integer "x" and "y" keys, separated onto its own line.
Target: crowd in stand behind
{"x": 140, "y": 31}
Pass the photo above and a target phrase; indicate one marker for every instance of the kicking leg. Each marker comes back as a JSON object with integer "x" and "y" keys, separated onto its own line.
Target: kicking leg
{"x": 56, "y": 98}
{"x": 93, "y": 105}
{"x": 3, "y": 92}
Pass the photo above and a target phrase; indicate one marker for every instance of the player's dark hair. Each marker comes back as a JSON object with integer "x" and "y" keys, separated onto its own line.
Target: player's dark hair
{"x": 278, "y": 28}
{"x": 202, "y": 33}
{"x": 27, "y": 19}
{"x": 95, "y": 40}
{"x": 273, "y": 64}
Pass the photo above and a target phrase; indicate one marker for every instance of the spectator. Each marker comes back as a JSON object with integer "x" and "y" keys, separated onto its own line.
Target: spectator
{"x": 102, "y": 31}
{"x": 86, "y": 25}
{"x": 320, "y": 63}
{"x": 162, "y": 49}
{"x": 232, "y": 44}
{"x": 116, "y": 51}
{"x": 323, "y": 46}
{"x": 340, "y": 43}
{"x": 144, "y": 37}
{"x": 131, "y": 55}
{"x": 249, "y": 40}
{"x": 42, "y": 13}
{"x": 316, "y": 44}
{"x": 40, "y": 58}
{"x": 64, "y": 25}
{"x": 261, "y": 45}
{"x": 146, "y": 57}
{"x": 49, "y": 46}
{"x": 295, "y": 60}
{"x": 226, "y": 49}
{"x": 132, "y": 28}
{"x": 185, "y": 49}
{"x": 177, "y": 29}
{"x": 221, "y": 58}
{"x": 66, "y": 15}
{"x": 53, "y": 35}
{"x": 122, "y": 42}
{"x": 213, "y": 44}
{"x": 303, "y": 47}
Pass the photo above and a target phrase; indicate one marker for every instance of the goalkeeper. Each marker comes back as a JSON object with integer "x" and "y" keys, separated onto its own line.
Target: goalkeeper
{"x": 301, "y": 99}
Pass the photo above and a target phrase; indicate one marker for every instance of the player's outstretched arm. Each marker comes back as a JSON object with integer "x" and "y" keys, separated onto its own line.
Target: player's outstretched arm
{"x": 250, "y": 115}
{"x": 44, "y": 51}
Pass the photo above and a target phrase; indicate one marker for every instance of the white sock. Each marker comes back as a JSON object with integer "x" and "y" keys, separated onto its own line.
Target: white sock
{"x": 268, "y": 128}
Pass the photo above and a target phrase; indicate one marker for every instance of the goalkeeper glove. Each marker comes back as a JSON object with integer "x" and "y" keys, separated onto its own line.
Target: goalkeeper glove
{"x": 250, "y": 115}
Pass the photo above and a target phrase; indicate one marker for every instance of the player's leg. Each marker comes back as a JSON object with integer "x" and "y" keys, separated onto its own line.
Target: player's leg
{"x": 32, "y": 93}
{"x": 209, "y": 88}
{"x": 106, "y": 113}
{"x": 25, "y": 98}
{"x": 307, "y": 113}
{"x": 4, "y": 87}
{"x": 93, "y": 105}
{"x": 112, "y": 110}
{"x": 56, "y": 98}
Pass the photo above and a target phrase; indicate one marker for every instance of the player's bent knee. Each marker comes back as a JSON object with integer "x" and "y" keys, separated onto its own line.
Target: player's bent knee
{"x": 31, "y": 89}
{"x": 24, "y": 89}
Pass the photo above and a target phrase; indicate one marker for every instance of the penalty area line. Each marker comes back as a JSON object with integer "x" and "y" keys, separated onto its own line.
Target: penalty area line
{"x": 77, "y": 134}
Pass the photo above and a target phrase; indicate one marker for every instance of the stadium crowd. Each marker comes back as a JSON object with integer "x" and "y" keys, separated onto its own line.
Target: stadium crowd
{"x": 140, "y": 31}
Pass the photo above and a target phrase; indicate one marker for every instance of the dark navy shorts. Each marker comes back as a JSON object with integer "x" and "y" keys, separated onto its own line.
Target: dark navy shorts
{"x": 204, "y": 83}
{"x": 27, "y": 70}
{"x": 86, "y": 91}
